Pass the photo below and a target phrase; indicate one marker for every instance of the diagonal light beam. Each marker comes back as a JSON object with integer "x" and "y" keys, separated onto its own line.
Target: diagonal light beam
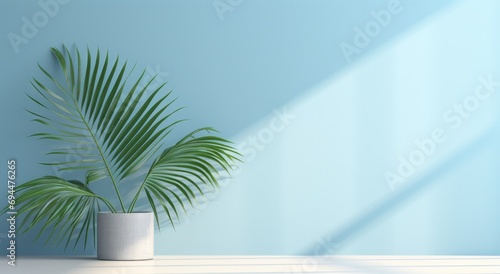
{"x": 355, "y": 227}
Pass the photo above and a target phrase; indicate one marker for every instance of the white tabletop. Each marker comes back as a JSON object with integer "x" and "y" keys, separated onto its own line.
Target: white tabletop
{"x": 259, "y": 264}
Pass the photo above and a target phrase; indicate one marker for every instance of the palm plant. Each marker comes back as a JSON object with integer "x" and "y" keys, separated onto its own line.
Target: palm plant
{"x": 95, "y": 105}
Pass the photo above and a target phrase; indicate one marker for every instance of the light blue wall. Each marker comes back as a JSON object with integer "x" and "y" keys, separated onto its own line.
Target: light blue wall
{"x": 319, "y": 131}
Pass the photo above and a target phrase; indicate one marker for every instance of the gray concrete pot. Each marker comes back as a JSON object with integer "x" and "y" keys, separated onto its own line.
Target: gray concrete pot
{"x": 125, "y": 236}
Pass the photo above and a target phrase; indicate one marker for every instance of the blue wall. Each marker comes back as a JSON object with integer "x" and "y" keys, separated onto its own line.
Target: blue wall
{"x": 369, "y": 127}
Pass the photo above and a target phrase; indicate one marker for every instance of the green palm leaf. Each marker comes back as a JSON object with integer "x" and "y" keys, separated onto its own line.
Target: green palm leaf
{"x": 181, "y": 167}
{"x": 59, "y": 204}
{"x": 91, "y": 102}
{"x": 89, "y": 106}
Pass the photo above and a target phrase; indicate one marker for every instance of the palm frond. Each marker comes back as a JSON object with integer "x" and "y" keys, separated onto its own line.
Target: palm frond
{"x": 91, "y": 102}
{"x": 94, "y": 104}
{"x": 59, "y": 204}
{"x": 182, "y": 167}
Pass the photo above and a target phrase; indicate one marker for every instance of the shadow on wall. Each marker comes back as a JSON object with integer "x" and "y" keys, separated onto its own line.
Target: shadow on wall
{"x": 235, "y": 71}
{"x": 269, "y": 52}
{"x": 341, "y": 237}
{"x": 232, "y": 62}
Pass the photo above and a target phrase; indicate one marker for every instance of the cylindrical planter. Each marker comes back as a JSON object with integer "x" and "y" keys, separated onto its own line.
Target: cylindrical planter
{"x": 125, "y": 236}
